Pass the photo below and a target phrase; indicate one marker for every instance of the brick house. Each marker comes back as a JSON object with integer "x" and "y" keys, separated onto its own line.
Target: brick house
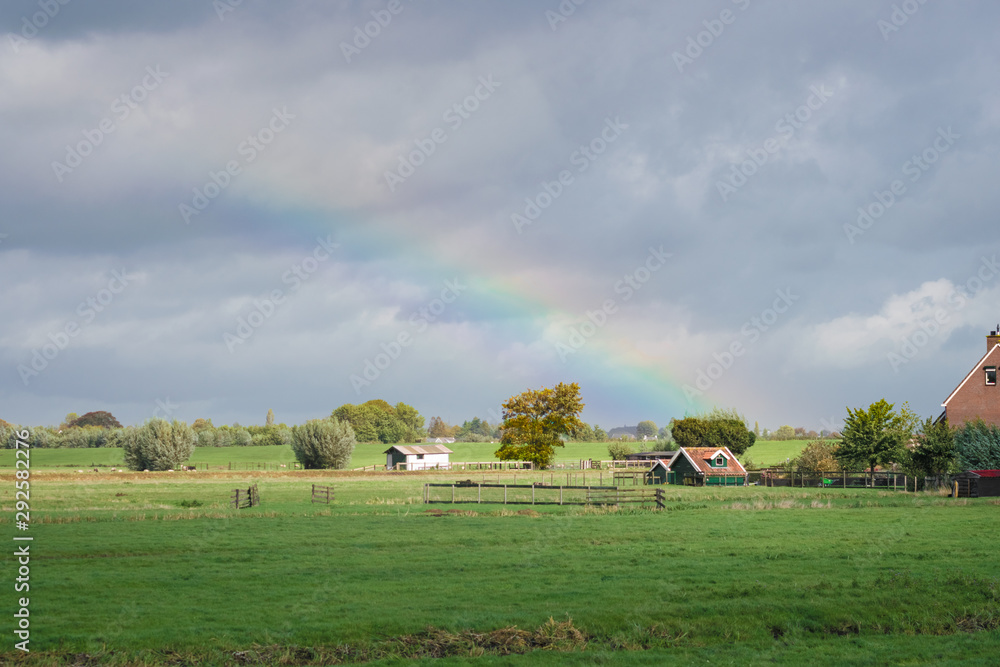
{"x": 977, "y": 396}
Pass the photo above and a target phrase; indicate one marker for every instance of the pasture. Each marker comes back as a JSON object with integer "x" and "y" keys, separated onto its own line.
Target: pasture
{"x": 157, "y": 569}
{"x": 365, "y": 454}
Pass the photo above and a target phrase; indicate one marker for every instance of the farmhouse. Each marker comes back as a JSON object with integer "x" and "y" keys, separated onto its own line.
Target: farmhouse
{"x": 417, "y": 457}
{"x": 977, "y": 396}
{"x": 699, "y": 466}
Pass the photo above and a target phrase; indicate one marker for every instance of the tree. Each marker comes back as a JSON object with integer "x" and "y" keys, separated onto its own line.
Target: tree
{"x": 439, "y": 429}
{"x": 600, "y": 435}
{"x": 875, "y": 436}
{"x": 412, "y": 420}
{"x": 934, "y": 451}
{"x": 785, "y": 432}
{"x": 978, "y": 446}
{"x": 818, "y": 457}
{"x": 719, "y": 428}
{"x": 323, "y": 443}
{"x": 100, "y": 418}
{"x": 689, "y": 432}
{"x": 756, "y": 429}
{"x": 535, "y": 421}
{"x": 270, "y": 417}
{"x": 619, "y": 450}
{"x": 157, "y": 445}
{"x": 645, "y": 428}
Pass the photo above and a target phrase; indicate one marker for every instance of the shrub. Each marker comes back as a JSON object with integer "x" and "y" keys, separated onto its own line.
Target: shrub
{"x": 157, "y": 445}
{"x": 619, "y": 450}
{"x": 323, "y": 443}
{"x": 818, "y": 457}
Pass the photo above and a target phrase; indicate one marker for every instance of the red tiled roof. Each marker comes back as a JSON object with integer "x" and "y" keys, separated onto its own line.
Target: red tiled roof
{"x": 987, "y": 473}
{"x": 701, "y": 457}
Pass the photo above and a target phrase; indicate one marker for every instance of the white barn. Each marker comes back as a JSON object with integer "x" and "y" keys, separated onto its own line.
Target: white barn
{"x": 417, "y": 457}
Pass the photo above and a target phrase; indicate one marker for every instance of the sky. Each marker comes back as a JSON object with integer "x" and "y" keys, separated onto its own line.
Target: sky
{"x": 215, "y": 208}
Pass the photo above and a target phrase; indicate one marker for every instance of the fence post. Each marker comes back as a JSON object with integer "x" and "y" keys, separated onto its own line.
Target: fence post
{"x": 560, "y": 495}
{"x": 453, "y": 494}
{"x": 480, "y": 494}
{"x": 504, "y": 494}
{"x": 532, "y": 494}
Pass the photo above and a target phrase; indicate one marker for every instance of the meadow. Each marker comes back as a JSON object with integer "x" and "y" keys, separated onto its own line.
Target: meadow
{"x": 157, "y": 569}
{"x": 365, "y": 454}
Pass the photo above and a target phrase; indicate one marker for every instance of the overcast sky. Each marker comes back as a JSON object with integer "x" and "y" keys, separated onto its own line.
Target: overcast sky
{"x": 210, "y": 209}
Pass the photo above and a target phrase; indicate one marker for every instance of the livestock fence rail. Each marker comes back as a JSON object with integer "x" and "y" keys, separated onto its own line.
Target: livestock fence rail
{"x": 469, "y": 491}
{"x": 244, "y": 498}
{"x": 322, "y": 494}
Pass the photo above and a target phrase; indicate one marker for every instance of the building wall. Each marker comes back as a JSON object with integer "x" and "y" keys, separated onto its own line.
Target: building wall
{"x": 976, "y": 399}
{"x": 429, "y": 461}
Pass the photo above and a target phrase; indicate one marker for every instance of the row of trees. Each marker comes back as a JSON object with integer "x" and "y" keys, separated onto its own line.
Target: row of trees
{"x": 881, "y": 436}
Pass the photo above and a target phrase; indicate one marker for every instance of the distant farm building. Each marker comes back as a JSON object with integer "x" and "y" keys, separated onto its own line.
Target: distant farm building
{"x": 441, "y": 441}
{"x": 977, "y": 396}
{"x": 619, "y": 431}
{"x": 699, "y": 466}
{"x": 977, "y": 484}
{"x": 417, "y": 457}
{"x": 650, "y": 456}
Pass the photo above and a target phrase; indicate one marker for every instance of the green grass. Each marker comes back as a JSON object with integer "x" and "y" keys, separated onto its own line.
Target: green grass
{"x": 772, "y": 452}
{"x": 365, "y": 454}
{"x": 737, "y": 575}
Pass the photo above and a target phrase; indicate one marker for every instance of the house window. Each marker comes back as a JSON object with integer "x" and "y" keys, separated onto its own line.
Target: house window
{"x": 991, "y": 375}
{"x": 720, "y": 461}
{"x": 420, "y": 457}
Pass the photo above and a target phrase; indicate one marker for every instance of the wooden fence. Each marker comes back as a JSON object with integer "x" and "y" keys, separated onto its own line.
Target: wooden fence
{"x": 264, "y": 465}
{"x": 322, "y": 494}
{"x": 243, "y": 498}
{"x": 541, "y": 494}
{"x": 629, "y": 496}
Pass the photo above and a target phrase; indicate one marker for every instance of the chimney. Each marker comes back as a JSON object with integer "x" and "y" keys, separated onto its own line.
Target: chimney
{"x": 993, "y": 339}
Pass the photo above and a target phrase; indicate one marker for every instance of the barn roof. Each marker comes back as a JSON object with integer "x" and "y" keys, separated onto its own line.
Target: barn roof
{"x": 986, "y": 473}
{"x": 700, "y": 458}
{"x": 409, "y": 450}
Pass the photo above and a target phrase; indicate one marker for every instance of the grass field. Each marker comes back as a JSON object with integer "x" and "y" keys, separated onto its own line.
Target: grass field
{"x": 763, "y": 453}
{"x": 155, "y": 568}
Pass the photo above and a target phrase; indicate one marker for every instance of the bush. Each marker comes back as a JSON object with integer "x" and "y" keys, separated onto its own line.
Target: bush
{"x": 323, "y": 443}
{"x": 157, "y": 445}
{"x": 818, "y": 457}
{"x": 619, "y": 450}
